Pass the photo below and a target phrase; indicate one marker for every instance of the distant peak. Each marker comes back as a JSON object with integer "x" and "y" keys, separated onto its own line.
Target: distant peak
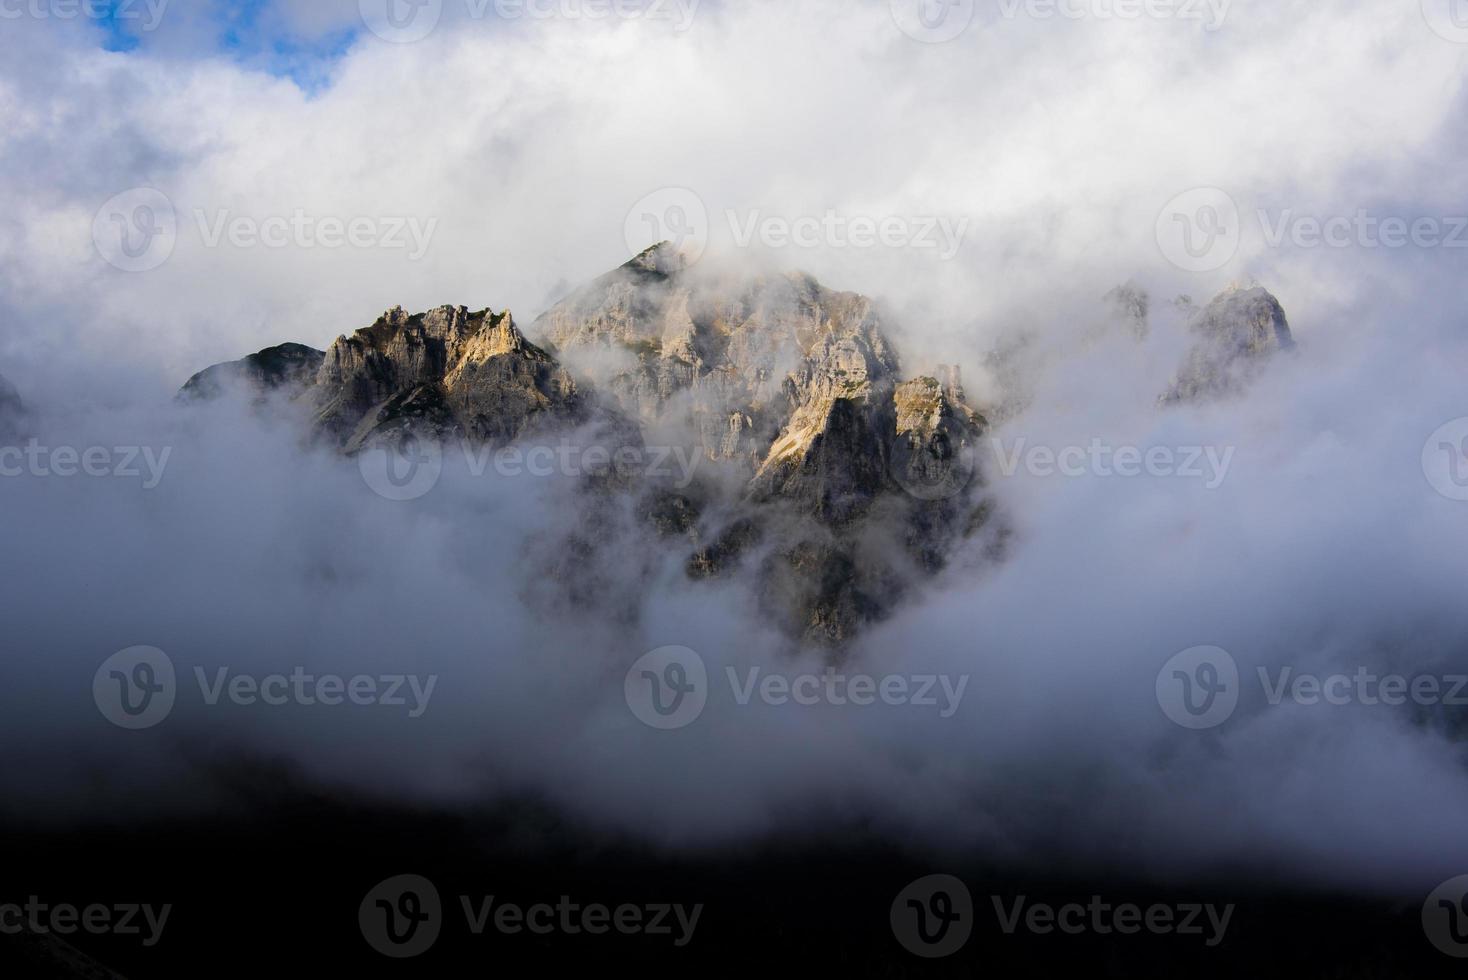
{"x": 664, "y": 258}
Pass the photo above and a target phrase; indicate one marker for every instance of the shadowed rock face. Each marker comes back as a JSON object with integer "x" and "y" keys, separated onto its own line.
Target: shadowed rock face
{"x": 289, "y": 368}
{"x": 838, "y": 483}
{"x": 1238, "y": 332}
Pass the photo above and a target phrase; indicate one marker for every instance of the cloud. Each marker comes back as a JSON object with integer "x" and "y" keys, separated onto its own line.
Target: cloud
{"x": 527, "y": 142}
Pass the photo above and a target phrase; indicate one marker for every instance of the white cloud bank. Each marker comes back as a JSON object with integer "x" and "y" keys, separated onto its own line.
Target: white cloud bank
{"x": 1059, "y": 140}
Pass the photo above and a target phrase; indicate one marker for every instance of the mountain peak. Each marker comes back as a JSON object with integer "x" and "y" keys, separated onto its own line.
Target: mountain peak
{"x": 1238, "y": 332}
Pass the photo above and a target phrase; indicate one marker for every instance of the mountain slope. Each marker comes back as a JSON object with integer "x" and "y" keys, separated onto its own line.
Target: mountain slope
{"x": 829, "y": 478}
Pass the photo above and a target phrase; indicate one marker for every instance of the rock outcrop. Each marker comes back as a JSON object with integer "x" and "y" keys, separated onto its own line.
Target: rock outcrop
{"x": 853, "y": 478}
{"x": 470, "y": 375}
{"x": 834, "y": 481}
{"x": 289, "y": 368}
{"x": 1237, "y": 334}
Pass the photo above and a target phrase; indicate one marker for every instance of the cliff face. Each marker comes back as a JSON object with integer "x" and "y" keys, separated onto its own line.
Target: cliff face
{"x": 837, "y": 483}
{"x": 471, "y": 375}
{"x": 1237, "y": 333}
{"x": 854, "y": 480}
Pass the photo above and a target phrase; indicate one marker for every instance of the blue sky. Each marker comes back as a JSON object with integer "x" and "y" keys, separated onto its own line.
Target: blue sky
{"x": 252, "y": 32}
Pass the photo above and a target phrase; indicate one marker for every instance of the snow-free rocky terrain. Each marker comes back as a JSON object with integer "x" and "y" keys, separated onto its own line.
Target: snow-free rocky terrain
{"x": 835, "y": 478}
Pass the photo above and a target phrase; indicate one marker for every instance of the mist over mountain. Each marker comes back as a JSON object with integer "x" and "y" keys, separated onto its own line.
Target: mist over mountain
{"x": 1055, "y": 527}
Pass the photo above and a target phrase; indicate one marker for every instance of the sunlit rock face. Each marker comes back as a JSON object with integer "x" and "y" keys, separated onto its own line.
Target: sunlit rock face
{"x": 453, "y": 372}
{"x": 1237, "y": 334}
{"x": 855, "y": 482}
{"x": 830, "y": 479}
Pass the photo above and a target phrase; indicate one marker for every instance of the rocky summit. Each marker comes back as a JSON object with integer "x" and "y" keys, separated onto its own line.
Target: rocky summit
{"x": 853, "y": 481}
{"x": 1236, "y": 335}
{"x": 830, "y": 479}
{"x": 289, "y": 367}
